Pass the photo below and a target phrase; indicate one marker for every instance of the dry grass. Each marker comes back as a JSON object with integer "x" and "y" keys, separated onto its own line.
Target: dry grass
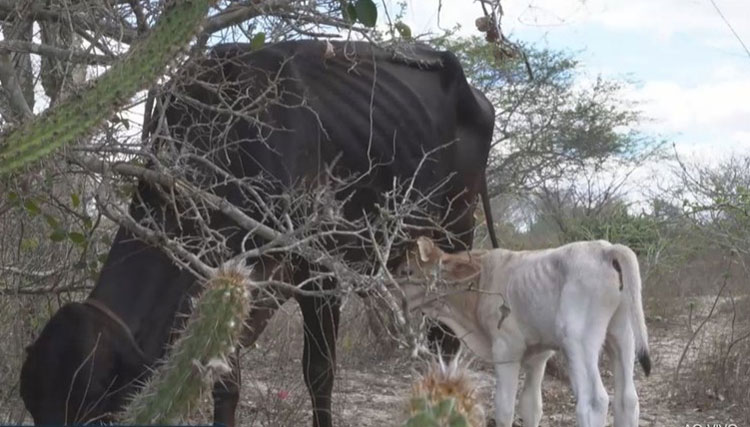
{"x": 716, "y": 371}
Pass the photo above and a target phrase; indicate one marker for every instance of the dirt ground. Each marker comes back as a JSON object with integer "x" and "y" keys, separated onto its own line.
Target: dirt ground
{"x": 373, "y": 379}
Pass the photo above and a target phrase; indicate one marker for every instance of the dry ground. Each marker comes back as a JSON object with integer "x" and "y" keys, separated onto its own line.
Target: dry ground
{"x": 373, "y": 378}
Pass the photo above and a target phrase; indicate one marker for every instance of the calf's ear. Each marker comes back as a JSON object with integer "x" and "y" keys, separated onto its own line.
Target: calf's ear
{"x": 460, "y": 269}
{"x": 428, "y": 251}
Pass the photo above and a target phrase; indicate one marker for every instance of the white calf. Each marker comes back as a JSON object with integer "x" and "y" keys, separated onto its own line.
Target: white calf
{"x": 514, "y": 309}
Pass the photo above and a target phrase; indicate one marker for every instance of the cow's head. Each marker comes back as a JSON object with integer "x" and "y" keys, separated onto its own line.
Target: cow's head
{"x": 427, "y": 262}
{"x": 79, "y": 369}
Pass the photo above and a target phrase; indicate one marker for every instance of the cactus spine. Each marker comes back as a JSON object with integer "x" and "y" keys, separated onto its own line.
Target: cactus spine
{"x": 444, "y": 397}
{"x": 199, "y": 355}
{"x": 77, "y": 115}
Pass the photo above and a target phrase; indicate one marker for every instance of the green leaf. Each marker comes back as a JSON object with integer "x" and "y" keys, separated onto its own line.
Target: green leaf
{"x": 13, "y": 197}
{"x": 58, "y": 235}
{"x": 52, "y": 221}
{"x": 32, "y": 207}
{"x": 349, "y": 12}
{"x": 76, "y": 237}
{"x": 75, "y": 200}
{"x": 403, "y": 30}
{"x": 367, "y": 12}
{"x": 258, "y": 41}
{"x": 29, "y": 244}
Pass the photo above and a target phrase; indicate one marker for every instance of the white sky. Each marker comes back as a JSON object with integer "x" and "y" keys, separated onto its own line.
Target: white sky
{"x": 692, "y": 75}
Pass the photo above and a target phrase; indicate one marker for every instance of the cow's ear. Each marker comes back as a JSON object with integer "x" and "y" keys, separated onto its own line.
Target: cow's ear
{"x": 428, "y": 251}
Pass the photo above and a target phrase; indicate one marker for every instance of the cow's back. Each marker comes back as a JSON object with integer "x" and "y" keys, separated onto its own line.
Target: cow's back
{"x": 373, "y": 113}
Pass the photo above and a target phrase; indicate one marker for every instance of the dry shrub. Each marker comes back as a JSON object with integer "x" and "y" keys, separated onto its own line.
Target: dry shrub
{"x": 716, "y": 370}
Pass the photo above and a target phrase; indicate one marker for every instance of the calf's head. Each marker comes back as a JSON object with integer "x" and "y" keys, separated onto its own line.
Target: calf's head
{"x": 426, "y": 262}
{"x": 79, "y": 369}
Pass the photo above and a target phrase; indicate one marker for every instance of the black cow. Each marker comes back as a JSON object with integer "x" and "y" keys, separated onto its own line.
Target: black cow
{"x": 370, "y": 111}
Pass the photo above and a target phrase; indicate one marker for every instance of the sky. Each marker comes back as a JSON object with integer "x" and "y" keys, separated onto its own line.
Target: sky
{"x": 690, "y": 74}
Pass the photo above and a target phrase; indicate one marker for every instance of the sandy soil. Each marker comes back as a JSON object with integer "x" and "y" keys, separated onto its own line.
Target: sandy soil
{"x": 373, "y": 381}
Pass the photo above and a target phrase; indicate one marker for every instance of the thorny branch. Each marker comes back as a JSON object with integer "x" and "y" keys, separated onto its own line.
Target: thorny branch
{"x": 80, "y": 39}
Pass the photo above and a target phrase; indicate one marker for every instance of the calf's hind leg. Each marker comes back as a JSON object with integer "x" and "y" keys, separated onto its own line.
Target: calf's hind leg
{"x": 621, "y": 348}
{"x": 582, "y": 351}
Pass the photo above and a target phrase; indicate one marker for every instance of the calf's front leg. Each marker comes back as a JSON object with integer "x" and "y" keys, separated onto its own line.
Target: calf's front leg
{"x": 530, "y": 403}
{"x": 507, "y": 362}
{"x": 506, "y": 375}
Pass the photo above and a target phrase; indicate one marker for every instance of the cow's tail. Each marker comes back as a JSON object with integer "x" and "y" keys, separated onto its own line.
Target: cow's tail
{"x": 484, "y": 194}
{"x": 630, "y": 274}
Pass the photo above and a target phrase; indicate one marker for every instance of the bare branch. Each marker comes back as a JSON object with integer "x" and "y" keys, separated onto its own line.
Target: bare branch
{"x": 80, "y": 20}
{"x": 12, "y": 87}
{"x": 71, "y": 55}
{"x": 238, "y": 13}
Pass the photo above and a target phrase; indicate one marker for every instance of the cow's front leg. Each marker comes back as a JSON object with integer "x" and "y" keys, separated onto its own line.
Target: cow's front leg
{"x": 226, "y": 392}
{"x": 321, "y": 321}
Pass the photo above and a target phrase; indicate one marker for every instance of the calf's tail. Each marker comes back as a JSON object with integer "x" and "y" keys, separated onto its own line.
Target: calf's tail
{"x": 631, "y": 283}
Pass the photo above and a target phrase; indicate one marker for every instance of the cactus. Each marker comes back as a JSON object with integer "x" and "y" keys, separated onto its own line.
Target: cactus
{"x": 199, "y": 355}
{"x": 79, "y": 114}
{"x": 444, "y": 397}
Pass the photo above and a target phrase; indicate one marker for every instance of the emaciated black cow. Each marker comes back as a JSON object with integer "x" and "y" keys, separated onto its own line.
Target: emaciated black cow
{"x": 373, "y": 112}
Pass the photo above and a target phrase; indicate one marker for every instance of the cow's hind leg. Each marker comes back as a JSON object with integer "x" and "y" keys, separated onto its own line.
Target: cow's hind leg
{"x": 321, "y": 321}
